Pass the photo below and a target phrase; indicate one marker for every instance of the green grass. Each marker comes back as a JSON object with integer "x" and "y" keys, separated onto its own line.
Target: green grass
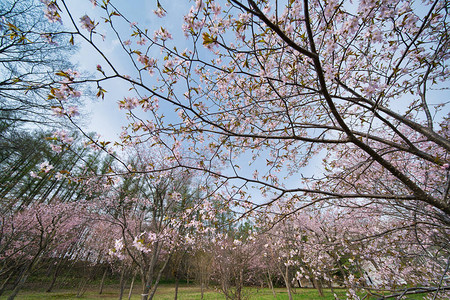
{"x": 185, "y": 292}
{"x": 166, "y": 292}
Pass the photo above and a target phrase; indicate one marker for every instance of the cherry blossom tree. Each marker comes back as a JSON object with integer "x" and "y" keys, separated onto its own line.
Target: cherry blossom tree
{"x": 35, "y": 233}
{"x": 236, "y": 263}
{"x": 152, "y": 214}
{"x": 364, "y": 251}
{"x": 41, "y": 205}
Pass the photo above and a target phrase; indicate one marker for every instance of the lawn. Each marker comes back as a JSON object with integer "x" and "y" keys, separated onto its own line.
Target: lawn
{"x": 166, "y": 292}
{"x": 185, "y": 292}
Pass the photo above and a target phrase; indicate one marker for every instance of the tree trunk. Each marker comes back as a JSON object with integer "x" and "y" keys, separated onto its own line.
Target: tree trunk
{"x": 52, "y": 284}
{"x": 81, "y": 288}
{"x": 131, "y": 286}
{"x": 148, "y": 284}
{"x": 122, "y": 282}
{"x": 271, "y": 285}
{"x": 102, "y": 283}
{"x": 188, "y": 269}
{"x": 24, "y": 275}
{"x": 55, "y": 275}
{"x": 5, "y": 282}
{"x": 19, "y": 285}
{"x": 202, "y": 289}
{"x": 179, "y": 260}
{"x": 240, "y": 284}
{"x": 330, "y": 284}
{"x": 318, "y": 284}
{"x": 146, "y": 289}
{"x": 155, "y": 285}
{"x": 177, "y": 283}
{"x": 288, "y": 284}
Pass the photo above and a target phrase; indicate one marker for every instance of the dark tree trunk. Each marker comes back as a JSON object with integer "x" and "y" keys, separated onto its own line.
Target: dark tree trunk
{"x": 55, "y": 275}
{"x": 177, "y": 283}
{"x": 5, "y": 282}
{"x": 26, "y": 271}
{"x": 102, "y": 283}
{"x": 288, "y": 284}
{"x": 271, "y": 284}
{"x": 131, "y": 286}
{"x": 81, "y": 288}
{"x": 319, "y": 288}
{"x": 202, "y": 289}
{"x": 122, "y": 282}
{"x": 19, "y": 285}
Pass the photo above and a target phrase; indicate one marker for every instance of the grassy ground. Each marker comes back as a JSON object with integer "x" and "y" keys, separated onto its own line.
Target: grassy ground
{"x": 185, "y": 292}
{"x": 167, "y": 291}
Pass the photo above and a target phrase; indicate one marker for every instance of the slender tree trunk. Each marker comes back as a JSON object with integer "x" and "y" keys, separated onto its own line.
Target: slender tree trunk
{"x": 144, "y": 283}
{"x": 24, "y": 275}
{"x": 155, "y": 285}
{"x": 187, "y": 273}
{"x": 81, "y": 288}
{"x": 149, "y": 281}
{"x": 318, "y": 284}
{"x": 22, "y": 170}
{"x": 179, "y": 260}
{"x": 55, "y": 275}
{"x": 83, "y": 282}
{"x": 131, "y": 286}
{"x": 177, "y": 283}
{"x": 8, "y": 178}
{"x": 22, "y": 280}
{"x": 239, "y": 284}
{"x": 288, "y": 284}
{"x": 144, "y": 295}
{"x": 146, "y": 289}
{"x": 5, "y": 282}
{"x": 37, "y": 189}
{"x": 102, "y": 283}
{"x": 48, "y": 190}
{"x": 271, "y": 285}
{"x": 330, "y": 284}
{"x": 52, "y": 284}
{"x": 202, "y": 288}
{"x": 122, "y": 282}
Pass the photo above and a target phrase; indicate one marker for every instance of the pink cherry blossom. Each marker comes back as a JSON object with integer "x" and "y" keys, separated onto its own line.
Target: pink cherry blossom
{"x": 87, "y": 23}
{"x": 160, "y": 12}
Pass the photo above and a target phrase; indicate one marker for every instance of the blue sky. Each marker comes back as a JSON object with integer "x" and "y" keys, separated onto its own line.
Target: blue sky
{"x": 103, "y": 116}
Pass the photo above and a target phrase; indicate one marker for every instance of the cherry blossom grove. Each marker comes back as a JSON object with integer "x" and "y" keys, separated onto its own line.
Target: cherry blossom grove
{"x": 323, "y": 124}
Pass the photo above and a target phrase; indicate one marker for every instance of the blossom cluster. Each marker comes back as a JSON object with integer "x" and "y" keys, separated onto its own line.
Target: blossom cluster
{"x": 51, "y": 11}
{"x": 87, "y": 23}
